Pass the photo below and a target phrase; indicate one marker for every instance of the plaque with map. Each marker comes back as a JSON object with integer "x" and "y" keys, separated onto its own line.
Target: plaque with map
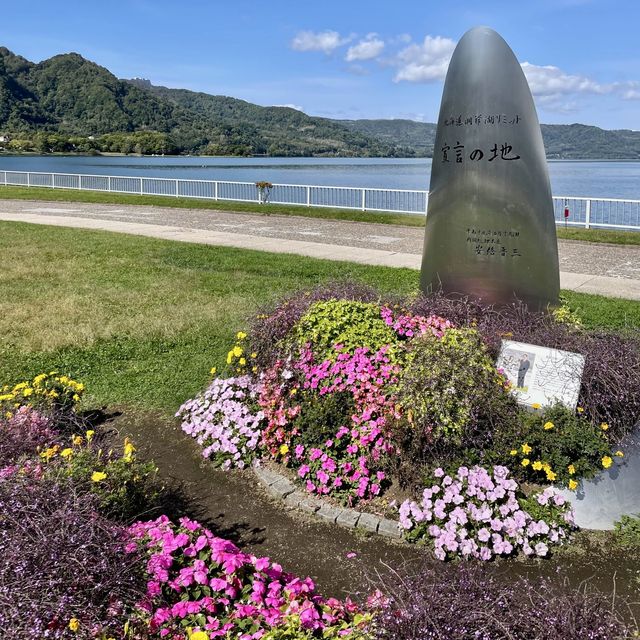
{"x": 541, "y": 376}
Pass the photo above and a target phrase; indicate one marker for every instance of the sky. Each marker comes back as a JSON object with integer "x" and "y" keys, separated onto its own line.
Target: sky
{"x": 348, "y": 58}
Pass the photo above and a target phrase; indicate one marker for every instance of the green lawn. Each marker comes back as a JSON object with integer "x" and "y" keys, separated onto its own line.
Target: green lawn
{"x": 406, "y": 220}
{"x": 141, "y": 321}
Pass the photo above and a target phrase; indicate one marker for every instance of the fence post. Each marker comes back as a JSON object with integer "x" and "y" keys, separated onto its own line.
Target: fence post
{"x": 80, "y": 182}
{"x": 215, "y": 190}
{"x": 28, "y": 179}
{"x": 308, "y": 196}
{"x": 364, "y": 199}
{"x": 587, "y": 215}
{"x": 109, "y": 184}
{"x": 177, "y": 193}
{"x": 53, "y": 180}
{"x": 140, "y": 186}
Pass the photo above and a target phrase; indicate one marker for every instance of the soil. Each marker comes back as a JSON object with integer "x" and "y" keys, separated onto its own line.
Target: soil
{"x": 235, "y": 506}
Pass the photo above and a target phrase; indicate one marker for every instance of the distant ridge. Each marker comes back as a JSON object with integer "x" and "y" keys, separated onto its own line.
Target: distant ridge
{"x": 68, "y": 103}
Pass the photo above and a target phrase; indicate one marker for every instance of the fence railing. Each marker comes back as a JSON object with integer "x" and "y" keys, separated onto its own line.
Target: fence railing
{"x": 570, "y": 210}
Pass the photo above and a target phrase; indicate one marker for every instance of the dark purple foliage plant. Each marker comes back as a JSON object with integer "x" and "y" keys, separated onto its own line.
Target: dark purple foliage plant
{"x": 464, "y": 602}
{"x": 64, "y": 573}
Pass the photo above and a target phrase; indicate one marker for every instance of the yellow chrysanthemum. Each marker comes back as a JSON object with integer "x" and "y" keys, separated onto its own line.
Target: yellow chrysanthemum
{"x": 573, "y": 485}
{"x": 241, "y": 335}
{"x": 66, "y": 453}
{"x": 537, "y": 465}
{"x": 606, "y": 462}
{"x": 98, "y": 476}
{"x": 619, "y": 454}
{"x": 536, "y": 405}
{"x": 199, "y": 635}
{"x": 548, "y": 426}
{"x": 604, "y": 426}
{"x": 90, "y": 434}
{"x": 74, "y": 624}
{"x": 525, "y": 462}
{"x": 551, "y": 476}
{"x": 284, "y": 449}
{"x": 580, "y": 410}
{"x": 242, "y": 361}
{"x": 237, "y": 351}
{"x": 213, "y": 370}
{"x": 77, "y": 440}
{"x": 513, "y": 452}
{"x": 571, "y": 469}
{"x": 526, "y": 448}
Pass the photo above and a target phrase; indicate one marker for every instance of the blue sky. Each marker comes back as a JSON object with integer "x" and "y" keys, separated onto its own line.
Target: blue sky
{"x": 348, "y": 58}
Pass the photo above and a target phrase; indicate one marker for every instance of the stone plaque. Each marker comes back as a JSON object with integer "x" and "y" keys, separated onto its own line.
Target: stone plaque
{"x": 540, "y": 375}
{"x": 490, "y": 230}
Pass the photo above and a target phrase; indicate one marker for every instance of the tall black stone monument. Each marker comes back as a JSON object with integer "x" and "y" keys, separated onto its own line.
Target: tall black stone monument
{"x": 490, "y": 230}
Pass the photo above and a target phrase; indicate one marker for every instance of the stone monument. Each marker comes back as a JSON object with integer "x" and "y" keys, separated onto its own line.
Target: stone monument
{"x": 490, "y": 230}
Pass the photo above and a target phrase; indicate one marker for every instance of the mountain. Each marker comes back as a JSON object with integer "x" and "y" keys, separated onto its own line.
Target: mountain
{"x": 561, "y": 141}
{"x": 68, "y": 103}
{"x": 69, "y": 95}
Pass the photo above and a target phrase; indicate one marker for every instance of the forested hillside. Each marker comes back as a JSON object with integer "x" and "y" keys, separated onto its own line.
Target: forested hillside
{"x": 70, "y": 104}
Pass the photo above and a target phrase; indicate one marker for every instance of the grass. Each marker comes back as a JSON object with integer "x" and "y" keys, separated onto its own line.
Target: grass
{"x": 406, "y": 220}
{"x": 141, "y": 321}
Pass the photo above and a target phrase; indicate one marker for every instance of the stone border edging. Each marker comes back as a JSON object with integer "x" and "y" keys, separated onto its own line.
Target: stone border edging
{"x": 282, "y": 488}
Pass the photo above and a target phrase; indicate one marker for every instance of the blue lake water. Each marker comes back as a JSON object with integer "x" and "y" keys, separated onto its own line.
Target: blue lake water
{"x": 568, "y": 178}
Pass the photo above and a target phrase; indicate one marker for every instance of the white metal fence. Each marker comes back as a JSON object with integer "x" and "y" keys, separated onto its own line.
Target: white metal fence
{"x": 582, "y": 211}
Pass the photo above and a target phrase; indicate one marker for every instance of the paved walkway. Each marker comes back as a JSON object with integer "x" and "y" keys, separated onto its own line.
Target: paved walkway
{"x": 610, "y": 270}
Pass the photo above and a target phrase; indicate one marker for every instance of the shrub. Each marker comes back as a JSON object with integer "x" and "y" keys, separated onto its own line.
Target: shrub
{"x": 469, "y": 603}
{"x": 61, "y": 561}
{"x": 124, "y": 488}
{"x": 23, "y": 432}
{"x": 478, "y": 514}
{"x": 627, "y": 531}
{"x": 349, "y": 323}
{"x": 226, "y": 421}
{"x": 554, "y": 446}
{"x": 446, "y": 383}
{"x": 206, "y": 583}
{"x": 270, "y": 326}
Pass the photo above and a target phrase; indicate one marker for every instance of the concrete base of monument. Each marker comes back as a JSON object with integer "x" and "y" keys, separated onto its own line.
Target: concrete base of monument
{"x": 281, "y": 488}
{"x": 615, "y": 492}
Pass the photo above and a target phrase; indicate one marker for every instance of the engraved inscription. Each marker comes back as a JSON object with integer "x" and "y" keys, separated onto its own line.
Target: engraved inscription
{"x": 494, "y": 242}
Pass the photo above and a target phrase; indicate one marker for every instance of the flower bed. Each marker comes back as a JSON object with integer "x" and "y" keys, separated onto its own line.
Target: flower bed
{"x": 356, "y": 395}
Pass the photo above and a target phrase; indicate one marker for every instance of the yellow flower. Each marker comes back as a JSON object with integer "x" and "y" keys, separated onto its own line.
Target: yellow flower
{"x": 199, "y": 635}
{"x": 229, "y": 357}
{"x": 548, "y": 425}
{"x": 254, "y": 355}
{"x": 525, "y": 462}
{"x": 77, "y": 440}
{"x": 237, "y": 351}
{"x": 284, "y": 449}
{"x": 213, "y": 371}
{"x": 537, "y": 465}
{"x": 573, "y": 485}
{"x": 604, "y": 426}
{"x": 607, "y": 462}
{"x": 27, "y": 392}
{"x": 66, "y": 453}
{"x": 571, "y": 469}
{"x": 74, "y": 624}
{"x": 580, "y": 410}
{"x": 242, "y": 361}
{"x": 535, "y": 405}
{"x": 241, "y": 335}
{"x": 128, "y": 450}
{"x": 293, "y": 391}
{"x": 90, "y": 434}
{"x": 619, "y": 454}
{"x": 513, "y": 452}
{"x": 254, "y": 369}
{"x": 526, "y": 448}
{"x": 98, "y": 476}
{"x": 76, "y": 397}
{"x": 551, "y": 476}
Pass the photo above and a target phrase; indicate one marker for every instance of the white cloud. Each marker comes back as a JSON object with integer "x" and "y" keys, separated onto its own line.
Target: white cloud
{"x": 370, "y": 47}
{"x": 631, "y": 90}
{"x": 552, "y": 81}
{"x": 326, "y": 41}
{"x": 426, "y": 62}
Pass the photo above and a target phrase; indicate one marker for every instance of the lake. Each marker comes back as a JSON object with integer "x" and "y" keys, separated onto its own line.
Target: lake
{"x": 597, "y": 179}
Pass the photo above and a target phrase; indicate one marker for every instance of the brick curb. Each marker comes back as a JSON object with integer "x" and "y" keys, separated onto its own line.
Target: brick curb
{"x": 283, "y": 489}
